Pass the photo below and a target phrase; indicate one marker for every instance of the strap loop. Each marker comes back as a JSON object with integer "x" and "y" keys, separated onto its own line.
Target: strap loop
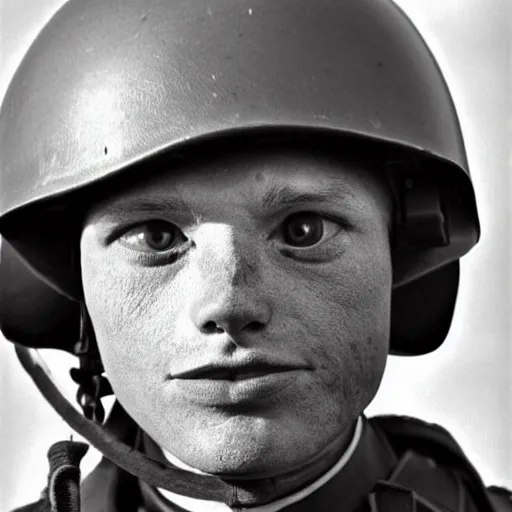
{"x": 92, "y": 385}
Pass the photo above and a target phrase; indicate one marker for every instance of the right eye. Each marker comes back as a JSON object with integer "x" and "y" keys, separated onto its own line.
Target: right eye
{"x": 155, "y": 236}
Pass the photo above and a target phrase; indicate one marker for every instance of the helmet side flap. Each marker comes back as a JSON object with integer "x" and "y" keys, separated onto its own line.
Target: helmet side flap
{"x": 31, "y": 312}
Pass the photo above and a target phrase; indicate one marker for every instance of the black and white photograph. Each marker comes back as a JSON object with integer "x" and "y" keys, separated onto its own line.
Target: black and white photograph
{"x": 322, "y": 321}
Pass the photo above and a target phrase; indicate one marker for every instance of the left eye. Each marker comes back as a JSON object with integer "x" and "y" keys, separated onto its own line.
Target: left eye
{"x": 307, "y": 229}
{"x": 153, "y": 236}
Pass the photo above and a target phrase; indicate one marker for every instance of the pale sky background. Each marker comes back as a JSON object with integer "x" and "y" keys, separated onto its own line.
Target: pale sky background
{"x": 466, "y": 385}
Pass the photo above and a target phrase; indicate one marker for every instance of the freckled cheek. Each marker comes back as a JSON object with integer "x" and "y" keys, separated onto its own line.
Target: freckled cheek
{"x": 347, "y": 313}
{"x": 133, "y": 311}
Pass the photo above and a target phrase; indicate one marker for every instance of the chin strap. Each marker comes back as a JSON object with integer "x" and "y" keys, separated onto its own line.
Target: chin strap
{"x": 92, "y": 385}
{"x": 103, "y": 438}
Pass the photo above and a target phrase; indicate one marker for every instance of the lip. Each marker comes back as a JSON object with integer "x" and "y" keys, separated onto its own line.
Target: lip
{"x": 234, "y": 382}
{"x": 248, "y": 391}
{"x": 235, "y": 372}
{"x": 233, "y": 368}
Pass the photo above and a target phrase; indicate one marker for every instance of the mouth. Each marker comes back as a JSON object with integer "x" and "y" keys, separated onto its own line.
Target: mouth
{"x": 237, "y": 372}
{"x": 242, "y": 382}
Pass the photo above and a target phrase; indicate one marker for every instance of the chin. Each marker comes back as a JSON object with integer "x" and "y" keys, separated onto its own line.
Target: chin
{"x": 240, "y": 467}
{"x": 249, "y": 445}
{"x": 246, "y": 456}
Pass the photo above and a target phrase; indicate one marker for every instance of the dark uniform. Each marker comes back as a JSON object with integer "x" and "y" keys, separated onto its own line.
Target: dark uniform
{"x": 108, "y": 87}
{"x": 400, "y": 464}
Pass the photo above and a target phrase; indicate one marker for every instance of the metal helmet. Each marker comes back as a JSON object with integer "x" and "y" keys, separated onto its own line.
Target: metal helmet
{"x": 109, "y": 86}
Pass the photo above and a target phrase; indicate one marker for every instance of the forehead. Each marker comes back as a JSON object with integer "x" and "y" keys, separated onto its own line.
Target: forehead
{"x": 270, "y": 175}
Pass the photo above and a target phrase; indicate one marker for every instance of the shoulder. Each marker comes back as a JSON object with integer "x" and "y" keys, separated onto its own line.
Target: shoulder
{"x": 106, "y": 487}
{"x": 433, "y": 464}
{"x": 108, "y": 484}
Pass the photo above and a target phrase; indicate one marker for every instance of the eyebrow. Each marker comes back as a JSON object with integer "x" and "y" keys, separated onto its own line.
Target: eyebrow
{"x": 284, "y": 196}
{"x": 151, "y": 205}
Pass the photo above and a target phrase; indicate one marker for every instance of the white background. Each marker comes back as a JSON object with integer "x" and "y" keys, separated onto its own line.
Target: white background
{"x": 466, "y": 385}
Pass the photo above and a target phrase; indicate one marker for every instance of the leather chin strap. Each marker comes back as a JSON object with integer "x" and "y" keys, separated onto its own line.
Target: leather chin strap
{"x": 103, "y": 438}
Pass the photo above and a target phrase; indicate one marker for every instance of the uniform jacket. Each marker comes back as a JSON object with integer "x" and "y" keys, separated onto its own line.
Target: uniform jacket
{"x": 400, "y": 465}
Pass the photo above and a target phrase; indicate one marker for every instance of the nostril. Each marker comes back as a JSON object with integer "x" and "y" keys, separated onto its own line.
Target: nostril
{"x": 255, "y": 326}
{"x": 211, "y": 328}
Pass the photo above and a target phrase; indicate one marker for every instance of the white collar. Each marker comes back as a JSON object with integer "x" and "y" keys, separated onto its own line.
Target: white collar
{"x": 196, "y": 505}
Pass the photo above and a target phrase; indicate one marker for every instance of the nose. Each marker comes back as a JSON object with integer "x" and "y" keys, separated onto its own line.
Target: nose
{"x": 232, "y": 317}
{"x": 229, "y": 295}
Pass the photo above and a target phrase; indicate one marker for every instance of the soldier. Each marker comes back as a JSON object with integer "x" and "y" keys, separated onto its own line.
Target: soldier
{"x": 234, "y": 211}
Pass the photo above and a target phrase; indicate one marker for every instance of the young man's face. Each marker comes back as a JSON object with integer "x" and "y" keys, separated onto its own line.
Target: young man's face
{"x": 242, "y": 305}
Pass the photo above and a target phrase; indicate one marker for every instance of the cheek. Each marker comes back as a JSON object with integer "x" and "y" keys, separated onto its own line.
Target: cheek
{"x": 351, "y": 322}
{"x": 133, "y": 322}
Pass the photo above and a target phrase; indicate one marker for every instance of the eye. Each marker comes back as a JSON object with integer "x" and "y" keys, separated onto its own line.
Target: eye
{"x": 307, "y": 229}
{"x": 153, "y": 236}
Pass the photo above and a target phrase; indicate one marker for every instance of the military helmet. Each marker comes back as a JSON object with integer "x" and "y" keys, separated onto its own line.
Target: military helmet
{"x": 108, "y": 87}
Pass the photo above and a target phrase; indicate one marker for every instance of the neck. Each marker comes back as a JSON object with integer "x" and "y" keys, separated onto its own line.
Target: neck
{"x": 259, "y": 491}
